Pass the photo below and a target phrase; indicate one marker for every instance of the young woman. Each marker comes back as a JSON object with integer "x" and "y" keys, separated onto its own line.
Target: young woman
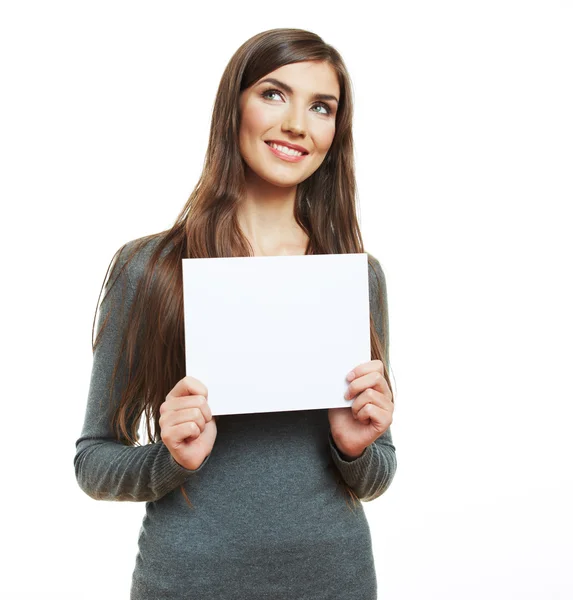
{"x": 269, "y": 517}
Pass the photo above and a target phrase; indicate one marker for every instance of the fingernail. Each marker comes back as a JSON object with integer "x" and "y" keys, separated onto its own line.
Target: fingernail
{"x": 351, "y": 376}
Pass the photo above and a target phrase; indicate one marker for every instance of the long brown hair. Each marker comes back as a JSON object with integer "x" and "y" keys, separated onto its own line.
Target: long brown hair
{"x": 207, "y": 227}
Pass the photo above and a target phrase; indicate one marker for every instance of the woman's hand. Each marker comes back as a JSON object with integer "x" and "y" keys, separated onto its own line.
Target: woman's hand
{"x": 355, "y": 428}
{"x": 187, "y": 427}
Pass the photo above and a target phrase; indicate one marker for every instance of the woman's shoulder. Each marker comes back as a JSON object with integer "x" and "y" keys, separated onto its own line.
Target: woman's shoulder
{"x": 134, "y": 255}
{"x": 375, "y": 269}
{"x": 376, "y": 278}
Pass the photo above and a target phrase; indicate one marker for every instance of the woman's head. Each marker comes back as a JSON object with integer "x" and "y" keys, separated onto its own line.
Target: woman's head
{"x": 247, "y": 112}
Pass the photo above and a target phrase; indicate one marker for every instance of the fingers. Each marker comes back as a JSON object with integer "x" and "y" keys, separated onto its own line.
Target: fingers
{"x": 370, "y": 396}
{"x": 183, "y": 431}
{"x": 379, "y": 418}
{"x": 185, "y": 411}
{"x": 364, "y": 368}
{"x": 176, "y": 417}
{"x": 372, "y": 379}
{"x": 368, "y": 386}
{"x": 172, "y": 404}
{"x": 189, "y": 386}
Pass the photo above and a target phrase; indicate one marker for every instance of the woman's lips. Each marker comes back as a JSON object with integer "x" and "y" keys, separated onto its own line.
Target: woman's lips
{"x": 285, "y": 157}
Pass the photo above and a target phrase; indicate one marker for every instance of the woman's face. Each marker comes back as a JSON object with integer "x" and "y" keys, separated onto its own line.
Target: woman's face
{"x": 287, "y": 110}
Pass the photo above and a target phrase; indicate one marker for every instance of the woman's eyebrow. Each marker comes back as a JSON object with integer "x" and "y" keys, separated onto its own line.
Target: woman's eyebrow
{"x": 290, "y": 90}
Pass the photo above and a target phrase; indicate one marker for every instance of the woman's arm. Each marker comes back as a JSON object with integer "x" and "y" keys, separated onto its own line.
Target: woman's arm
{"x": 107, "y": 469}
{"x": 371, "y": 474}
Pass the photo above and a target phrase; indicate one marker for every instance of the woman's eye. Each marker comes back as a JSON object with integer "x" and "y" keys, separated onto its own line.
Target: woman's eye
{"x": 326, "y": 108}
{"x": 267, "y": 92}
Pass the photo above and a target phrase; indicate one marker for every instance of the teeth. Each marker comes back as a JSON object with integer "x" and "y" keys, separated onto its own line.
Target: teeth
{"x": 286, "y": 150}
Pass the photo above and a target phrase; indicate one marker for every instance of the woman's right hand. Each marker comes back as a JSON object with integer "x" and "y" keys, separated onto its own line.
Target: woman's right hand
{"x": 187, "y": 427}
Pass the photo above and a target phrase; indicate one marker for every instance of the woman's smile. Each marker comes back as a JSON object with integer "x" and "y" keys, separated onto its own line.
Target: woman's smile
{"x": 284, "y": 153}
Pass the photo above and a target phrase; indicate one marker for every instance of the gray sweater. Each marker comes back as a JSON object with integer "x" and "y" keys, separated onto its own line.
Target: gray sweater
{"x": 269, "y": 519}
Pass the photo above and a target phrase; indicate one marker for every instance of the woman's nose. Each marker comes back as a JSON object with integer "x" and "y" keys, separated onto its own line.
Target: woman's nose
{"x": 295, "y": 121}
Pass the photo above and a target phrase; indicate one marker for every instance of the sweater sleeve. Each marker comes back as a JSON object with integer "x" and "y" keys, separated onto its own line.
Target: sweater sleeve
{"x": 371, "y": 474}
{"x": 106, "y": 468}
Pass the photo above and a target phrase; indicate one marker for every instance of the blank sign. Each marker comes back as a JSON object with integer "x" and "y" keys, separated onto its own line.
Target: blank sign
{"x": 276, "y": 333}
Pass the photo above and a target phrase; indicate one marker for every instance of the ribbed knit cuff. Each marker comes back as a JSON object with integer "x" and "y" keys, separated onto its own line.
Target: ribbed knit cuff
{"x": 353, "y": 471}
{"x": 168, "y": 473}
{"x": 186, "y": 471}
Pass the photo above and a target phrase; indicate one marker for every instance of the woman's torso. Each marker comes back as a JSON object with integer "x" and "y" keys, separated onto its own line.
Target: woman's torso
{"x": 269, "y": 520}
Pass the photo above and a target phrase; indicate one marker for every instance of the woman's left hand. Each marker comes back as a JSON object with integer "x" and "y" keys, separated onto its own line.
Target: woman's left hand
{"x": 355, "y": 428}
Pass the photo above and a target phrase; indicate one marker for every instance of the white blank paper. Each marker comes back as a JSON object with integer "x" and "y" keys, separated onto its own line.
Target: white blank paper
{"x": 276, "y": 333}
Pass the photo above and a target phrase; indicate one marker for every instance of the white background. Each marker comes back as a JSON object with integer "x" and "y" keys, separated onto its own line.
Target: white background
{"x": 464, "y": 154}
